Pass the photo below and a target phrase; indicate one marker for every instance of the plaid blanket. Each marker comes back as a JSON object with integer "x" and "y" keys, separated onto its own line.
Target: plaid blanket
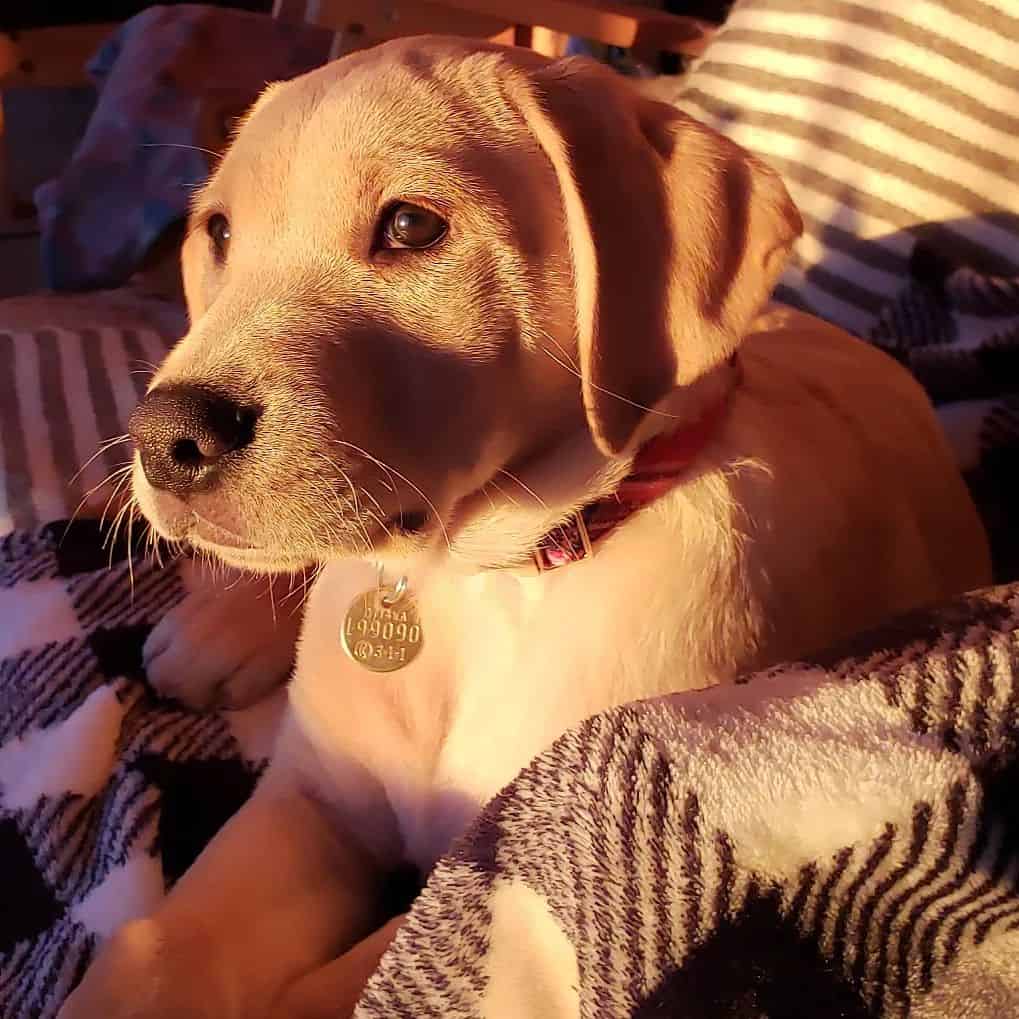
{"x": 107, "y": 792}
{"x": 837, "y": 838}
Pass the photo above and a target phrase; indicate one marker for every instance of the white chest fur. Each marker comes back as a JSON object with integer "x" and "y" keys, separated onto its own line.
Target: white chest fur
{"x": 508, "y": 663}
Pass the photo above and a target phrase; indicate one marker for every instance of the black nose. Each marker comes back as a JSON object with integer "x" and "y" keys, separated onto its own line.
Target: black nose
{"x": 184, "y": 434}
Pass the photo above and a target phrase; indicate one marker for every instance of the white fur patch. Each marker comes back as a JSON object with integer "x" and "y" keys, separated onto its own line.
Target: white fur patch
{"x": 532, "y": 967}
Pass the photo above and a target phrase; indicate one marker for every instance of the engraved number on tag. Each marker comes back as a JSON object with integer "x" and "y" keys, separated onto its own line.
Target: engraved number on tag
{"x": 381, "y": 637}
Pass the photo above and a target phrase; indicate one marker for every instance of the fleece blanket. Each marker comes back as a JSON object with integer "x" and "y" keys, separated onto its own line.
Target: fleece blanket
{"x": 957, "y": 330}
{"x": 836, "y": 838}
{"x": 832, "y": 839}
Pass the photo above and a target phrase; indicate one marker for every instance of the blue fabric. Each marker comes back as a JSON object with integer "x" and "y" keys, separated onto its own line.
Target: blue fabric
{"x": 171, "y": 81}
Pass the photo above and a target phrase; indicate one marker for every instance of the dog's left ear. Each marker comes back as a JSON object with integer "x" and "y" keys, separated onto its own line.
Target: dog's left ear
{"x": 677, "y": 237}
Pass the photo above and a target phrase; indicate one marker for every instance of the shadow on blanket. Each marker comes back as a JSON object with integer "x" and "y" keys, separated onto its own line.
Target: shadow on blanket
{"x": 836, "y": 838}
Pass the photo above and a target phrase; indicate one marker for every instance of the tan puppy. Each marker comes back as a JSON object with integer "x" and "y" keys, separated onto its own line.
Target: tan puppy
{"x": 434, "y": 291}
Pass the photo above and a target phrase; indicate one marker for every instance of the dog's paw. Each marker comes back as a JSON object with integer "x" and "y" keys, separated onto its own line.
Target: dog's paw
{"x": 228, "y": 644}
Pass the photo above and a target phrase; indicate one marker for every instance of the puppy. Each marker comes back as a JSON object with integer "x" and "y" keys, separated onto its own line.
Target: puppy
{"x": 458, "y": 310}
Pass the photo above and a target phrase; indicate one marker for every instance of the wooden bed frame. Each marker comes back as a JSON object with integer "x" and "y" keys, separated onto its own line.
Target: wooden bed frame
{"x": 48, "y": 58}
{"x": 539, "y": 24}
{"x": 55, "y": 57}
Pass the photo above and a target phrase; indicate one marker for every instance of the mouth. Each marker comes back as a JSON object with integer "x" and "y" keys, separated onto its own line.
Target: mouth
{"x": 398, "y": 533}
{"x": 254, "y": 560}
{"x": 235, "y": 550}
{"x": 410, "y": 524}
{"x": 209, "y": 533}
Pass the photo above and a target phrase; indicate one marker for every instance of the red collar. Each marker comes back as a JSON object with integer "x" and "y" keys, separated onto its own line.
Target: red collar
{"x": 657, "y": 468}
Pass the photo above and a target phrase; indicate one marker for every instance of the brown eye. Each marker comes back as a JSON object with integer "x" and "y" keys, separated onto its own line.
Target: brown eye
{"x": 218, "y": 229}
{"x": 410, "y": 226}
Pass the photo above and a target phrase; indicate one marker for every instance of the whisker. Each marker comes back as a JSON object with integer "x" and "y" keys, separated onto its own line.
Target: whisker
{"x": 272, "y": 600}
{"x": 179, "y": 145}
{"x": 562, "y": 350}
{"x": 124, "y": 479}
{"x": 375, "y": 502}
{"x": 302, "y": 590}
{"x": 307, "y": 583}
{"x": 609, "y": 392}
{"x": 502, "y": 491}
{"x": 111, "y": 536}
{"x": 530, "y": 491}
{"x": 351, "y": 507}
{"x": 152, "y": 543}
{"x": 350, "y": 484}
{"x": 241, "y": 576}
{"x": 103, "y": 447}
{"x": 406, "y": 480}
{"x": 357, "y": 524}
{"x": 122, "y": 472}
{"x": 388, "y": 532}
{"x": 130, "y": 550}
{"x": 541, "y": 502}
{"x": 150, "y": 365}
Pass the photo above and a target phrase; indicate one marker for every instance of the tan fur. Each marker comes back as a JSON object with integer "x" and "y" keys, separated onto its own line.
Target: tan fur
{"x": 604, "y": 253}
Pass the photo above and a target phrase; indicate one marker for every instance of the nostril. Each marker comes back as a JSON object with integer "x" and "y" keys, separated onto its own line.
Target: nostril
{"x": 217, "y": 426}
{"x": 188, "y": 453}
{"x": 228, "y": 427}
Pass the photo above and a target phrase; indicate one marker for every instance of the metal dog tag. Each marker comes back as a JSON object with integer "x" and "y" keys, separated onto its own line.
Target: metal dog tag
{"x": 381, "y": 631}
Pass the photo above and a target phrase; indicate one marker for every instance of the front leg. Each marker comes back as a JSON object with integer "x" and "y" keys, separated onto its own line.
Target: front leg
{"x": 333, "y": 991}
{"x": 276, "y": 894}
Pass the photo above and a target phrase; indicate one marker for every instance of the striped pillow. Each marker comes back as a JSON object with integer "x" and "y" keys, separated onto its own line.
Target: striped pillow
{"x": 63, "y": 394}
{"x": 889, "y": 122}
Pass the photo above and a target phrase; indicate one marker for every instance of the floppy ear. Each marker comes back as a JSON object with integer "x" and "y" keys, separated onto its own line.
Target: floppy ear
{"x": 677, "y": 237}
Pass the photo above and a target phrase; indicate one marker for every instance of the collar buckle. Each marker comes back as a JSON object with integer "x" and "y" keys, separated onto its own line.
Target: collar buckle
{"x": 570, "y": 542}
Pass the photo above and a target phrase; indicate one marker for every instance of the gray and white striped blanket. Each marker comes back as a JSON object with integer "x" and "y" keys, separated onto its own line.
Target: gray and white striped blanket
{"x": 831, "y": 839}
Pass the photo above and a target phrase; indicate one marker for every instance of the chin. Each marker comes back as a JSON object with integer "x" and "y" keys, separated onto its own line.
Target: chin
{"x": 253, "y": 560}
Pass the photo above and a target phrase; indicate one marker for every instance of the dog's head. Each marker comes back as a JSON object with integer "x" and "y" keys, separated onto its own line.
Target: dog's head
{"x": 428, "y": 263}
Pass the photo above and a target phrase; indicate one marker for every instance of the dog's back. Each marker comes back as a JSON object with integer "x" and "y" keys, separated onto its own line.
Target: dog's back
{"x": 862, "y": 512}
